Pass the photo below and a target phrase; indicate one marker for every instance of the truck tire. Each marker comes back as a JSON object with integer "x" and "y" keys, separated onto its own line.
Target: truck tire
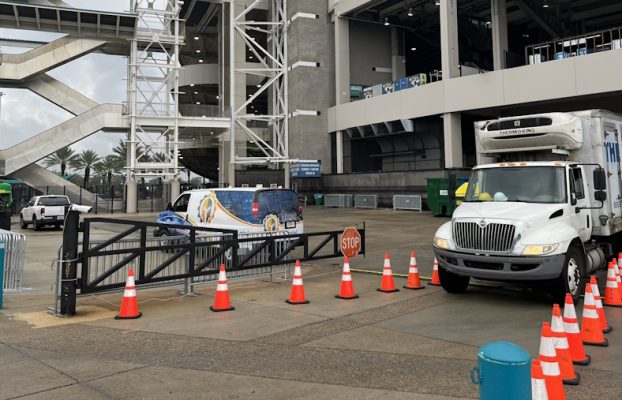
{"x": 35, "y": 225}
{"x": 22, "y": 223}
{"x": 572, "y": 277}
{"x": 451, "y": 282}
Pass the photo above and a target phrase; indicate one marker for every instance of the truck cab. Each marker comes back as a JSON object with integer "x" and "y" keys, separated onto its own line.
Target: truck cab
{"x": 550, "y": 220}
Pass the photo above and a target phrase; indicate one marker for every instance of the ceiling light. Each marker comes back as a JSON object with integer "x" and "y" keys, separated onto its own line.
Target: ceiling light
{"x": 203, "y": 116}
{"x": 252, "y": 106}
{"x": 196, "y": 92}
{"x": 259, "y": 85}
{"x": 250, "y": 57}
{"x": 217, "y": 97}
{"x": 192, "y": 84}
{"x": 196, "y": 38}
{"x": 211, "y": 132}
{"x": 386, "y": 21}
{"x": 201, "y": 60}
{"x": 437, "y": 3}
{"x": 198, "y": 51}
{"x": 413, "y": 48}
{"x": 198, "y": 102}
{"x": 545, "y": 4}
{"x": 410, "y": 12}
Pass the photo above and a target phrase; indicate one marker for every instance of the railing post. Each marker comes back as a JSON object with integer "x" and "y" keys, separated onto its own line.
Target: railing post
{"x": 96, "y": 196}
{"x": 69, "y": 272}
{"x": 80, "y": 200}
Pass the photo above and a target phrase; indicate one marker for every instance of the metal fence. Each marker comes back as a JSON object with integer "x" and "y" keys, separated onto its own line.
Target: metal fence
{"x": 366, "y": 201}
{"x": 338, "y": 200}
{"x": 407, "y": 202}
{"x": 14, "y": 259}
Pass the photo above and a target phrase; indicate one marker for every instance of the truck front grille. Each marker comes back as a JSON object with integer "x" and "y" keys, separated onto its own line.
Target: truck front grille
{"x": 493, "y": 237}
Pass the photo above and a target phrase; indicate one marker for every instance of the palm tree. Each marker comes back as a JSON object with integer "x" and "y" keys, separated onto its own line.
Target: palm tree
{"x": 62, "y": 157}
{"x": 121, "y": 150}
{"x": 107, "y": 166}
{"x": 85, "y": 160}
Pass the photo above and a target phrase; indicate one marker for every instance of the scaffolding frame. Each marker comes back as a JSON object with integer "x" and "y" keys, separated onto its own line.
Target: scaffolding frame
{"x": 273, "y": 67}
{"x": 153, "y": 91}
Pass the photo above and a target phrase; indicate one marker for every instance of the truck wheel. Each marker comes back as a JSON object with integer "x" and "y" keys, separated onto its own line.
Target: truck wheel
{"x": 451, "y": 282}
{"x": 22, "y": 224}
{"x": 572, "y": 278}
{"x": 35, "y": 225}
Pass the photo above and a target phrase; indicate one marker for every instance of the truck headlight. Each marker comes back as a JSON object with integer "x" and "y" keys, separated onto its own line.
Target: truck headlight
{"x": 540, "y": 249}
{"x": 441, "y": 243}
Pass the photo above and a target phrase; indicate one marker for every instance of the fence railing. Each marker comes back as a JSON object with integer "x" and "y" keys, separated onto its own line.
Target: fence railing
{"x": 338, "y": 200}
{"x": 574, "y": 46}
{"x": 14, "y": 260}
{"x": 407, "y": 202}
{"x": 366, "y": 201}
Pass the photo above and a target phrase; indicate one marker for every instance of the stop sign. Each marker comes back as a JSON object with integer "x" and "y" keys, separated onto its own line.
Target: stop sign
{"x": 350, "y": 242}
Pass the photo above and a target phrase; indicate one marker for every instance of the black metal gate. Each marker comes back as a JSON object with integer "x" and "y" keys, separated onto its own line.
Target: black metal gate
{"x": 193, "y": 252}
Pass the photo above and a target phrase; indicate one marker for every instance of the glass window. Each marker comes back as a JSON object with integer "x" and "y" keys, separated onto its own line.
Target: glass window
{"x": 181, "y": 205}
{"x": 280, "y": 202}
{"x": 578, "y": 183}
{"x": 53, "y": 201}
{"x": 518, "y": 184}
{"x": 237, "y": 202}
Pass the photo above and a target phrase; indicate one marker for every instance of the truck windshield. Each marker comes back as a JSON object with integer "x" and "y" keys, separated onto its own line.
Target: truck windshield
{"x": 521, "y": 184}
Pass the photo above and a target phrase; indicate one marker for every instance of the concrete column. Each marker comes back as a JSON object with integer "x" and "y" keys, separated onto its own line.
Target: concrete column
{"x": 449, "y": 39}
{"x": 498, "y": 12}
{"x": 452, "y": 135}
{"x": 174, "y": 189}
{"x": 131, "y": 197}
{"x": 342, "y": 60}
{"x": 398, "y": 68}
{"x": 339, "y": 150}
{"x": 287, "y": 182}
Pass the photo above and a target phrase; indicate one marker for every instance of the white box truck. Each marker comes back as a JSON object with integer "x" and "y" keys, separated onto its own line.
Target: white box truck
{"x": 542, "y": 206}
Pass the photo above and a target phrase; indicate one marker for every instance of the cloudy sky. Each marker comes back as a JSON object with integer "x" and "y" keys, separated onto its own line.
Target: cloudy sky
{"x": 101, "y": 77}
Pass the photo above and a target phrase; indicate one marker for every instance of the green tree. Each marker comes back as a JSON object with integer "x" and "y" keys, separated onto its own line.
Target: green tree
{"x": 120, "y": 152}
{"x": 62, "y": 157}
{"x": 86, "y": 161}
{"x": 107, "y": 166}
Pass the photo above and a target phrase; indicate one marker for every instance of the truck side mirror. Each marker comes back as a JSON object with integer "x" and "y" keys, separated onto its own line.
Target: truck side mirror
{"x": 600, "y": 179}
{"x": 573, "y": 199}
{"x": 600, "y": 195}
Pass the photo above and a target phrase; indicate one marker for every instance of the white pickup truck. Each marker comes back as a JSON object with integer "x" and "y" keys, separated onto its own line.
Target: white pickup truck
{"x": 44, "y": 210}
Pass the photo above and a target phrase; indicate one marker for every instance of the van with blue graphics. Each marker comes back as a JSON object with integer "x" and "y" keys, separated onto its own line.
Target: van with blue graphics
{"x": 247, "y": 210}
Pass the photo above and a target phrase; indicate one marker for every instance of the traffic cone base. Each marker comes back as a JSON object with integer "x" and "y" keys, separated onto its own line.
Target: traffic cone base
{"x": 434, "y": 284}
{"x": 587, "y": 361}
{"x": 574, "y": 381}
{"x": 356, "y": 296}
{"x": 221, "y": 309}
{"x": 604, "y": 343}
{"x": 297, "y": 302}
{"x": 413, "y": 288}
{"x": 388, "y": 290}
{"x": 136, "y": 316}
{"x": 611, "y": 305}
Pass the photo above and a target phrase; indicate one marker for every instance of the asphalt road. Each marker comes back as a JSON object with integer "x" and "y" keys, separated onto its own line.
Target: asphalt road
{"x": 405, "y": 345}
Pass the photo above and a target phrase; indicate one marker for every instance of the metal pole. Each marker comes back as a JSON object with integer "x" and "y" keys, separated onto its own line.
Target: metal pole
{"x": 69, "y": 264}
{"x": 1, "y": 94}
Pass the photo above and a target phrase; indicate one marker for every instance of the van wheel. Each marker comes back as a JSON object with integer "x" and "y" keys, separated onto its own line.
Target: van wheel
{"x": 572, "y": 277}
{"x": 22, "y": 224}
{"x": 451, "y": 282}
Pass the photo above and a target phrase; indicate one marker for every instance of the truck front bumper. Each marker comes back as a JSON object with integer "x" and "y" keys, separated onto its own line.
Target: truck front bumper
{"x": 502, "y": 268}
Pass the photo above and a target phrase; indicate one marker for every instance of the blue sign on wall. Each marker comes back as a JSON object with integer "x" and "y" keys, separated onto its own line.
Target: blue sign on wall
{"x": 305, "y": 170}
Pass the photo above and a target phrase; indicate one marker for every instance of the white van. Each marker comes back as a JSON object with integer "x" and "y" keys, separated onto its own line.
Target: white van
{"x": 247, "y": 210}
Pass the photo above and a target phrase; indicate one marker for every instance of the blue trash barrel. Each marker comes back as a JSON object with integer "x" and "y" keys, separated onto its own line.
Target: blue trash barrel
{"x": 503, "y": 372}
{"x": 1, "y": 271}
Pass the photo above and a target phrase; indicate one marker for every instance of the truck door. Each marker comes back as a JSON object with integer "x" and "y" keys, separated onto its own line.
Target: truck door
{"x": 580, "y": 217}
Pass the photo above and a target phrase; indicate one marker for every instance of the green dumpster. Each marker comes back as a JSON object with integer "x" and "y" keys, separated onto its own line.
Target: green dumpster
{"x": 318, "y": 198}
{"x": 438, "y": 197}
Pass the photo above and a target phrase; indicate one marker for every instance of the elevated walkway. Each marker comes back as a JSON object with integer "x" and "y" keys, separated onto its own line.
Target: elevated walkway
{"x": 60, "y": 94}
{"x": 18, "y": 67}
{"x": 102, "y": 117}
{"x": 41, "y": 179}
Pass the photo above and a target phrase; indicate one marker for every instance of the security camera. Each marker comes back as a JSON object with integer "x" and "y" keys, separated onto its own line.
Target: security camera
{"x": 80, "y": 209}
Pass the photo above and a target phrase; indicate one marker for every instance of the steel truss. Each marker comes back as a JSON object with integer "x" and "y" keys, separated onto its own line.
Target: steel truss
{"x": 272, "y": 67}
{"x": 153, "y": 91}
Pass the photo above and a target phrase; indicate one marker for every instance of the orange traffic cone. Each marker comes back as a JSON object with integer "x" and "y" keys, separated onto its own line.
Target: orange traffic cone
{"x": 129, "y": 305}
{"x": 617, "y": 270}
{"x": 414, "y": 283}
{"x": 599, "y": 306}
{"x": 436, "y": 281}
{"x": 387, "y": 285}
{"x": 222, "y": 302}
{"x": 550, "y": 366}
{"x": 612, "y": 294}
{"x": 538, "y": 386}
{"x": 297, "y": 295}
{"x": 591, "y": 330}
{"x": 562, "y": 348}
{"x": 573, "y": 333}
{"x": 346, "y": 291}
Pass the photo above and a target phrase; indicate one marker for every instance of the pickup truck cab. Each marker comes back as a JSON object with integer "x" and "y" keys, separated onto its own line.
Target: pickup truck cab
{"x": 44, "y": 210}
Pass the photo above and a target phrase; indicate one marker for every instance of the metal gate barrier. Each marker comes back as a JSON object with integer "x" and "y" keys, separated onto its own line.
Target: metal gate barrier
{"x": 14, "y": 258}
{"x": 192, "y": 257}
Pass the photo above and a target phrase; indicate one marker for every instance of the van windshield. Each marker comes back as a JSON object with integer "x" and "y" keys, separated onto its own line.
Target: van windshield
{"x": 519, "y": 184}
